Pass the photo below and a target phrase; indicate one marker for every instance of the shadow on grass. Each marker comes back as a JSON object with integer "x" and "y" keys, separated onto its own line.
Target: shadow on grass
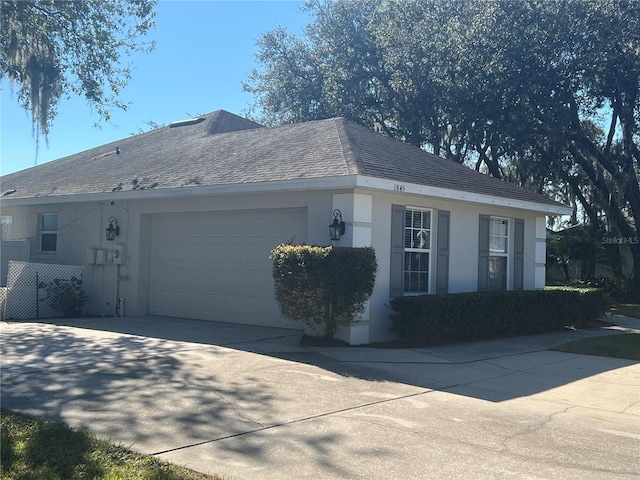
{"x": 625, "y": 346}
{"x": 39, "y": 449}
{"x": 33, "y": 448}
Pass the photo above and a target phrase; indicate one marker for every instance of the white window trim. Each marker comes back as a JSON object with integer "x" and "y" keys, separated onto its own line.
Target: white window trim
{"x": 41, "y": 232}
{"x": 508, "y": 246}
{"x": 430, "y": 282}
{"x": 507, "y": 237}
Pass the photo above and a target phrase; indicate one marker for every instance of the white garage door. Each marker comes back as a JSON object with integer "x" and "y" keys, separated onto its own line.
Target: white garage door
{"x": 216, "y": 266}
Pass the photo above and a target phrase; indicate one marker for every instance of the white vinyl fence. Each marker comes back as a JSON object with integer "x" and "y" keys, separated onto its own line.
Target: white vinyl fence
{"x": 25, "y": 295}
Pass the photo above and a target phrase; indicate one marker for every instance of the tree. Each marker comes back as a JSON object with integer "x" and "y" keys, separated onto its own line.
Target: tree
{"x": 54, "y": 48}
{"x": 543, "y": 93}
{"x": 566, "y": 82}
{"x": 373, "y": 62}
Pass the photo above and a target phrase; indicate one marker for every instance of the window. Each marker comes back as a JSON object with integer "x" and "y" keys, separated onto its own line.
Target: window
{"x": 417, "y": 249}
{"x": 48, "y": 232}
{"x": 498, "y": 252}
{"x": 5, "y": 227}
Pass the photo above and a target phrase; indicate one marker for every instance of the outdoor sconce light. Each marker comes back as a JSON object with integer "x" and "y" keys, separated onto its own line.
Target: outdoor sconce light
{"x": 112, "y": 230}
{"x": 337, "y": 227}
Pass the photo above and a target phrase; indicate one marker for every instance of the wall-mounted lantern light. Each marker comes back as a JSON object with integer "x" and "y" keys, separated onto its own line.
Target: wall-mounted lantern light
{"x": 113, "y": 230}
{"x": 337, "y": 227}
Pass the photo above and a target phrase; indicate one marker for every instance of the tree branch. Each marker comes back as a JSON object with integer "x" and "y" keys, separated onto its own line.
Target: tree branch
{"x": 612, "y": 208}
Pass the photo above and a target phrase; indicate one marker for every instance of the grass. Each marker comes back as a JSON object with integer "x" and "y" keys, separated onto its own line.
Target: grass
{"x": 627, "y": 309}
{"x": 35, "y": 449}
{"x": 626, "y": 346}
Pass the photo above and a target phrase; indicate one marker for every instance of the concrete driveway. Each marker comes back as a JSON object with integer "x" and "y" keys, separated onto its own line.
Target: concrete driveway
{"x": 250, "y": 403}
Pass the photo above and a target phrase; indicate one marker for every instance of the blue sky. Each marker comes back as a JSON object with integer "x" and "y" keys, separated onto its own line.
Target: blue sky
{"x": 205, "y": 49}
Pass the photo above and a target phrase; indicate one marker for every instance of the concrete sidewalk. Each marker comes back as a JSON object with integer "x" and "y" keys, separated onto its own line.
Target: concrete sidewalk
{"x": 250, "y": 403}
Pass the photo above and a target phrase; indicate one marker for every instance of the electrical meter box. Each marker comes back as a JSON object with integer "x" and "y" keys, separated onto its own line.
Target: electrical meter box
{"x": 101, "y": 257}
{"x": 119, "y": 254}
{"x": 91, "y": 256}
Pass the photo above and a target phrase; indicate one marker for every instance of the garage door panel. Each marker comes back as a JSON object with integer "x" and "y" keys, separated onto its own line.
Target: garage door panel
{"x": 259, "y": 251}
{"x": 166, "y": 276}
{"x": 215, "y": 227}
{"x": 236, "y": 254}
{"x": 254, "y": 281}
{"x": 227, "y": 225}
{"x": 216, "y": 251}
{"x": 179, "y": 250}
{"x": 180, "y": 279}
{"x": 216, "y": 265}
{"x": 179, "y": 225}
{"x": 219, "y": 284}
{"x": 167, "y": 301}
{"x": 269, "y": 226}
{"x": 163, "y": 248}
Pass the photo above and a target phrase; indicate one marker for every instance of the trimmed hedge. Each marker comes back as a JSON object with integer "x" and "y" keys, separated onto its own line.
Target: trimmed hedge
{"x": 323, "y": 284}
{"x": 456, "y": 317}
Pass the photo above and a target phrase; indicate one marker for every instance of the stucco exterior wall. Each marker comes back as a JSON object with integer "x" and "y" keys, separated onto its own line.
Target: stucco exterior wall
{"x": 81, "y": 226}
{"x": 367, "y": 213}
{"x": 463, "y": 257}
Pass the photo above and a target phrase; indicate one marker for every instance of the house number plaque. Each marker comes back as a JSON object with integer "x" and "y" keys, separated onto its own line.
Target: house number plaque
{"x": 398, "y": 188}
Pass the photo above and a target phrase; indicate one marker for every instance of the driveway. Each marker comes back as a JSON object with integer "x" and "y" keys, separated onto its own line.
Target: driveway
{"x": 250, "y": 403}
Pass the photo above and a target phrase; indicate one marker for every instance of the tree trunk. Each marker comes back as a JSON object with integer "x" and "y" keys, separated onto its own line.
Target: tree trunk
{"x": 635, "y": 274}
{"x": 329, "y": 321}
{"x": 565, "y": 270}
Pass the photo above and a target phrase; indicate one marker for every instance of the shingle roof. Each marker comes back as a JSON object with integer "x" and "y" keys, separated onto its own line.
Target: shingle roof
{"x": 222, "y": 149}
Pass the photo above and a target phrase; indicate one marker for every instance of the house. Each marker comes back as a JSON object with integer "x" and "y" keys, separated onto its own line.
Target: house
{"x": 195, "y": 207}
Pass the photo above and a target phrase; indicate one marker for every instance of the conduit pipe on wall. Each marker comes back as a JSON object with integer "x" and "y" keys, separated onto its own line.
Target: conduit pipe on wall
{"x": 117, "y": 291}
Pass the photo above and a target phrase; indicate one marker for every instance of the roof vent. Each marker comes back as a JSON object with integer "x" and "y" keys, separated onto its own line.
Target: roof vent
{"x": 189, "y": 121}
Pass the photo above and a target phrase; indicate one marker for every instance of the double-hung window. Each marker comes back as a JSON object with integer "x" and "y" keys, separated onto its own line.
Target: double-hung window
{"x": 498, "y": 253}
{"x": 5, "y": 227}
{"x": 48, "y": 232}
{"x": 417, "y": 250}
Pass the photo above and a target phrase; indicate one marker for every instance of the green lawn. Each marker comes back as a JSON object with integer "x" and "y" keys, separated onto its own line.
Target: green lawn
{"x": 627, "y": 309}
{"x": 36, "y": 449}
{"x": 625, "y": 346}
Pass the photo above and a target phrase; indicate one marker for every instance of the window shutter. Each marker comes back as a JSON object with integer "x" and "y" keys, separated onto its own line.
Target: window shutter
{"x": 518, "y": 255}
{"x": 396, "y": 267}
{"x": 442, "y": 267}
{"x": 483, "y": 254}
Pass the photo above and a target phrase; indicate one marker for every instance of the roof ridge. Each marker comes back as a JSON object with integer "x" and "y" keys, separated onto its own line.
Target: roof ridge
{"x": 215, "y": 119}
{"x": 351, "y": 158}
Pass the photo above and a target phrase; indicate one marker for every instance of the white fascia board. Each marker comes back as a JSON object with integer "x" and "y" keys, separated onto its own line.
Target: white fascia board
{"x": 461, "y": 196}
{"x": 323, "y": 183}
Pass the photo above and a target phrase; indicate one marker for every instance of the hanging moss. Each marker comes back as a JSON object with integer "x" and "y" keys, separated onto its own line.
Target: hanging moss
{"x": 52, "y": 48}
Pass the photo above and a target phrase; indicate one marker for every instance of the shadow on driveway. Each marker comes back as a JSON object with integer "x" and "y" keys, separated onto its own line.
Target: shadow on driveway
{"x": 252, "y": 403}
{"x": 495, "y": 370}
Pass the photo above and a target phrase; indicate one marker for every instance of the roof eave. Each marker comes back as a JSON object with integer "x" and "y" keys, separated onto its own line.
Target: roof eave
{"x": 322, "y": 183}
{"x": 462, "y": 196}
